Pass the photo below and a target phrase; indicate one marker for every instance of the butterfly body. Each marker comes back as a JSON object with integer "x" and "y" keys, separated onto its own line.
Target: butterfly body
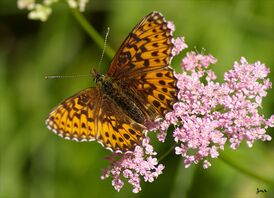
{"x": 138, "y": 88}
{"x": 114, "y": 92}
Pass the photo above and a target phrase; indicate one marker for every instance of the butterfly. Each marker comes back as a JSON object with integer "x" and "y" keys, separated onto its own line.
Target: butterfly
{"x": 138, "y": 88}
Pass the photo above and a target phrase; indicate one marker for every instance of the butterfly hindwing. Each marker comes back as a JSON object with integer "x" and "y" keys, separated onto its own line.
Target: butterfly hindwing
{"x": 89, "y": 115}
{"x": 116, "y": 130}
{"x": 156, "y": 92}
{"x": 74, "y": 117}
{"x": 160, "y": 90}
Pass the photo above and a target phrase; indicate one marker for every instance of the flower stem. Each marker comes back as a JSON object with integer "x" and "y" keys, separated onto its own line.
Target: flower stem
{"x": 244, "y": 170}
{"x": 92, "y": 32}
{"x": 166, "y": 153}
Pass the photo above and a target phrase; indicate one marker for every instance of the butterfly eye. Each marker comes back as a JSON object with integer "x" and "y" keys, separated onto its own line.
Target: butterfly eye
{"x": 97, "y": 77}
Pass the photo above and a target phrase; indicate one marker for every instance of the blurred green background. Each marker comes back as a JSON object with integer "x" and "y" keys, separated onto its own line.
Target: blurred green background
{"x": 36, "y": 163}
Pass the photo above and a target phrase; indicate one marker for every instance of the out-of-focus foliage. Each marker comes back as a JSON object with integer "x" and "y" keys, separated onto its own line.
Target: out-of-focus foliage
{"x": 34, "y": 162}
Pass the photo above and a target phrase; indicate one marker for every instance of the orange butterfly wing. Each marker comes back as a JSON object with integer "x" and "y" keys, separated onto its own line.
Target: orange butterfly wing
{"x": 89, "y": 116}
{"x": 156, "y": 92}
{"x": 148, "y": 47}
{"x": 76, "y": 116}
{"x": 116, "y": 130}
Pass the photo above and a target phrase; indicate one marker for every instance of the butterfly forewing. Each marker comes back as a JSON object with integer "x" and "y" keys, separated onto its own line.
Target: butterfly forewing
{"x": 148, "y": 47}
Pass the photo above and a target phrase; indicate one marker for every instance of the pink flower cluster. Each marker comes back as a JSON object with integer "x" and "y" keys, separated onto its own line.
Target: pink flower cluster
{"x": 209, "y": 113}
{"x": 132, "y": 166}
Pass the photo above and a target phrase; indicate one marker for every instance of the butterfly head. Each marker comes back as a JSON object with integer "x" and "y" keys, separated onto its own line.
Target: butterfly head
{"x": 96, "y": 76}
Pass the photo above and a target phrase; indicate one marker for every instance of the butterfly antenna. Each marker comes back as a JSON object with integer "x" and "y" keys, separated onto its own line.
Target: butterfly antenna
{"x": 85, "y": 75}
{"x": 69, "y": 76}
{"x": 104, "y": 48}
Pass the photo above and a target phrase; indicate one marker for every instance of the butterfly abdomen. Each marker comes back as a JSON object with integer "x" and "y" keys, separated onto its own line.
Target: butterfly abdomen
{"x": 117, "y": 95}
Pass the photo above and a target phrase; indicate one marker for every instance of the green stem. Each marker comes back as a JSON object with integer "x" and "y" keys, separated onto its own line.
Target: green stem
{"x": 244, "y": 170}
{"x": 92, "y": 32}
{"x": 166, "y": 153}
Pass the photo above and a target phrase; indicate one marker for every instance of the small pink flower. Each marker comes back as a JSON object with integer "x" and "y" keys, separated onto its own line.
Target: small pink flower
{"x": 206, "y": 164}
{"x": 171, "y": 26}
{"x": 179, "y": 45}
{"x": 193, "y": 60}
{"x": 117, "y": 184}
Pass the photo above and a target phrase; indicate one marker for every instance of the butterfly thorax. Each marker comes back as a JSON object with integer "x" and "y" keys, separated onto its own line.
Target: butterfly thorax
{"x": 111, "y": 89}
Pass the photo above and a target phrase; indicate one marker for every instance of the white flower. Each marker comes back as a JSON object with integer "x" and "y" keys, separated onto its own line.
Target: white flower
{"x": 40, "y": 12}
{"x": 82, "y": 5}
{"x": 26, "y": 4}
{"x": 49, "y": 2}
{"x": 72, "y": 3}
